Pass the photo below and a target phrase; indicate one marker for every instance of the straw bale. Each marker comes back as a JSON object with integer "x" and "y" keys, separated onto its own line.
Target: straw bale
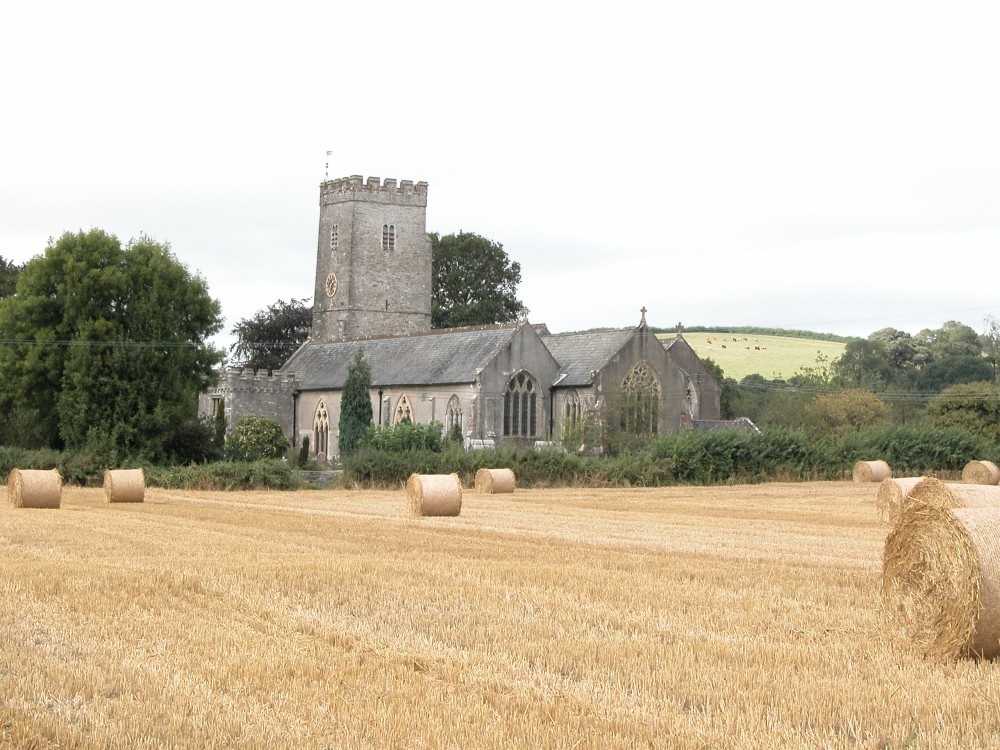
{"x": 871, "y": 471}
{"x": 34, "y": 488}
{"x": 941, "y": 580}
{"x": 493, "y": 481}
{"x": 932, "y": 491}
{"x": 891, "y": 495}
{"x": 434, "y": 494}
{"x": 124, "y": 485}
{"x": 981, "y": 472}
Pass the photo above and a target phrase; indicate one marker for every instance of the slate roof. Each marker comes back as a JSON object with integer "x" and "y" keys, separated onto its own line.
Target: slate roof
{"x": 454, "y": 355}
{"x": 583, "y": 352}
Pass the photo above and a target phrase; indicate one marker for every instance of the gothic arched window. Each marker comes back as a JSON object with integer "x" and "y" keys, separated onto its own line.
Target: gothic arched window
{"x": 520, "y": 407}
{"x": 573, "y": 408}
{"x": 640, "y": 413}
{"x": 403, "y": 411}
{"x": 321, "y": 429}
{"x": 453, "y": 418}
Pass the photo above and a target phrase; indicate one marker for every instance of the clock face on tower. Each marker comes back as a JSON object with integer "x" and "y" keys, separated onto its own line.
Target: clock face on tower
{"x": 331, "y": 285}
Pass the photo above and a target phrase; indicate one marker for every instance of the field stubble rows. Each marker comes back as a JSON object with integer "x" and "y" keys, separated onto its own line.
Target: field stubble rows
{"x": 676, "y": 617}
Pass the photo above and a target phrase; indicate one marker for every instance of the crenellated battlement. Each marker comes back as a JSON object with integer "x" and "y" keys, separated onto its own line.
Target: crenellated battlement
{"x": 405, "y": 192}
{"x": 247, "y": 379}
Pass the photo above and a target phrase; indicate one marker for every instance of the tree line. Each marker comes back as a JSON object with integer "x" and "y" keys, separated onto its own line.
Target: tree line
{"x": 946, "y": 377}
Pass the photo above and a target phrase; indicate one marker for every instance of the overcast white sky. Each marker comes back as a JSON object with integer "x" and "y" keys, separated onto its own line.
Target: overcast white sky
{"x": 825, "y": 166}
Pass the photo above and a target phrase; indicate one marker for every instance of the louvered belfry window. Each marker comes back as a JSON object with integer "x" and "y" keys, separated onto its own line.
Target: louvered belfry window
{"x": 389, "y": 237}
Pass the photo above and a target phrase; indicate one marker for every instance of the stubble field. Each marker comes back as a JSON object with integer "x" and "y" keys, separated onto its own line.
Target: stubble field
{"x": 735, "y": 617}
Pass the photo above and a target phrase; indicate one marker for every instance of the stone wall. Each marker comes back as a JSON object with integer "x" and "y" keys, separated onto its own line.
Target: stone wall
{"x": 246, "y": 393}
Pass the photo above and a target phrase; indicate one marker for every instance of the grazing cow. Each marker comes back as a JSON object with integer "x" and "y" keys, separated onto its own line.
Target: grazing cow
{"x": 723, "y": 346}
{"x": 756, "y": 347}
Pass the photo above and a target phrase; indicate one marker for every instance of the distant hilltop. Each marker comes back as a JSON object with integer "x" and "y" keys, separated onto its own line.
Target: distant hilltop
{"x": 757, "y": 331}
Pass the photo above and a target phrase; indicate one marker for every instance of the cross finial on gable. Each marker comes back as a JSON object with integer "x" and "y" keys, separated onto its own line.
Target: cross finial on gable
{"x": 642, "y": 321}
{"x": 680, "y": 327}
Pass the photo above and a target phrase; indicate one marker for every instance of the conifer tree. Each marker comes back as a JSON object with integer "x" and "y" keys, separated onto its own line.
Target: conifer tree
{"x": 355, "y": 405}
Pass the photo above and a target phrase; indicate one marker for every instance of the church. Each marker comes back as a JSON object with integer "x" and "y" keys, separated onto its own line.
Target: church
{"x": 506, "y": 384}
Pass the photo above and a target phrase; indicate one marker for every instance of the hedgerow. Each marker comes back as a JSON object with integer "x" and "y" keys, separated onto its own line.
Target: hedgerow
{"x": 725, "y": 457}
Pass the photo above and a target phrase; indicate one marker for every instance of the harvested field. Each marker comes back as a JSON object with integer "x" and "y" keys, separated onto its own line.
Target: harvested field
{"x": 687, "y": 617}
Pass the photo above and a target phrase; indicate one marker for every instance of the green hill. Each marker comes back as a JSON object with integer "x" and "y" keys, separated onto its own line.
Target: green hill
{"x": 772, "y": 357}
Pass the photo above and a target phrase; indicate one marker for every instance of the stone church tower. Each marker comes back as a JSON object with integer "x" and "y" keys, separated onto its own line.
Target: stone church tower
{"x": 373, "y": 260}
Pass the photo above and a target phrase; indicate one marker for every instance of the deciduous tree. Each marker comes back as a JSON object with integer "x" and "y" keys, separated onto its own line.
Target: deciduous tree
{"x": 474, "y": 282}
{"x": 837, "y": 413}
{"x": 107, "y": 346}
{"x": 8, "y": 277}
{"x": 271, "y": 336}
{"x": 953, "y": 339}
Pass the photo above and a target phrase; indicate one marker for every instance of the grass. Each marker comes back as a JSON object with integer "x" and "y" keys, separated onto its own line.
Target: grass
{"x": 777, "y": 356}
{"x": 736, "y": 617}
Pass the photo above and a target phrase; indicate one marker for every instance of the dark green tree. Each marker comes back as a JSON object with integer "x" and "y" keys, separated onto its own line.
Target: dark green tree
{"x": 219, "y": 426}
{"x": 355, "y": 405}
{"x": 107, "y": 346}
{"x": 727, "y": 399}
{"x": 473, "y": 282}
{"x": 271, "y": 336}
{"x": 8, "y": 277}
{"x": 973, "y": 407}
{"x": 940, "y": 374}
{"x": 864, "y": 364}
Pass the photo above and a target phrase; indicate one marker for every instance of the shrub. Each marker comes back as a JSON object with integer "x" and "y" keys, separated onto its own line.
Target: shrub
{"x": 405, "y": 436}
{"x": 194, "y": 441}
{"x": 225, "y": 475}
{"x": 256, "y": 439}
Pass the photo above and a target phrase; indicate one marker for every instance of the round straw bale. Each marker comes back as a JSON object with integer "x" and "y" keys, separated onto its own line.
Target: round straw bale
{"x": 124, "y": 485}
{"x": 941, "y": 580}
{"x": 890, "y": 496}
{"x": 932, "y": 491}
{"x": 434, "y": 494}
{"x": 981, "y": 472}
{"x": 940, "y": 494}
{"x": 33, "y": 488}
{"x": 492, "y": 481}
{"x": 871, "y": 471}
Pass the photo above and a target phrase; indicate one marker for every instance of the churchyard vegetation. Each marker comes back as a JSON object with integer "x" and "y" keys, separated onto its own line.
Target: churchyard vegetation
{"x": 355, "y": 405}
{"x": 255, "y": 439}
{"x": 404, "y": 436}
